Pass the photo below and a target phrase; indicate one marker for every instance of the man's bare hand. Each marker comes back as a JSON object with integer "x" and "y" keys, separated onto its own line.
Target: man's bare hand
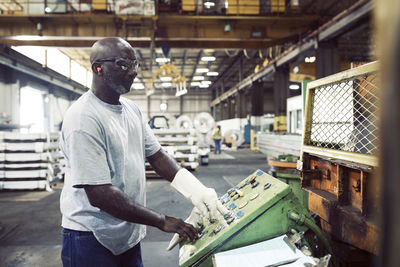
{"x": 174, "y": 225}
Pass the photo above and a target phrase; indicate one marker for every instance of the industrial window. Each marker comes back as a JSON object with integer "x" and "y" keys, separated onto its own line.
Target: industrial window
{"x": 31, "y": 110}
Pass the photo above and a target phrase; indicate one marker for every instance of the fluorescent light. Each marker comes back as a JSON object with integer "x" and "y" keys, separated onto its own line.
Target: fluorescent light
{"x": 310, "y": 59}
{"x": 203, "y": 85}
{"x": 166, "y": 84}
{"x": 163, "y": 106}
{"x": 209, "y": 4}
{"x": 165, "y": 79}
{"x": 138, "y": 86}
{"x": 194, "y": 83}
{"x": 202, "y": 70}
{"x": 206, "y": 82}
{"x": 208, "y": 58}
{"x": 294, "y": 87}
{"x": 212, "y": 73}
{"x": 198, "y": 78}
{"x": 162, "y": 60}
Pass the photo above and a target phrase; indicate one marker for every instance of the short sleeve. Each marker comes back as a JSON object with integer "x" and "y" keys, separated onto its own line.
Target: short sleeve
{"x": 150, "y": 141}
{"x": 87, "y": 159}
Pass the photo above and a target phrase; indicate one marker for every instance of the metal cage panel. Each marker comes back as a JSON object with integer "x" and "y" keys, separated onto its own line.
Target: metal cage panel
{"x": 342, "y": 111}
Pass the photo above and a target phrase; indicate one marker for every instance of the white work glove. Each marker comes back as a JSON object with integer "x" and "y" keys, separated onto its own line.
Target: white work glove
{"x": 203, "y": 198}
{"x": 195, "y": 219}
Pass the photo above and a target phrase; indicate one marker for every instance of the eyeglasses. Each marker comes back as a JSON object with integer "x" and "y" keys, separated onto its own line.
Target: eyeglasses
{"x": 124, "y": 64}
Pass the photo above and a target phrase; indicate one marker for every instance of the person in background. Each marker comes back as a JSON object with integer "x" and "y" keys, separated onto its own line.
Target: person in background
{"x": 217, "y": 139}
{"x": 105, "y": 141}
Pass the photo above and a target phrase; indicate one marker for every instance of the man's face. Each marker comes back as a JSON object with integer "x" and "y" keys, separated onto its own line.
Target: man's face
{"x": 119, "y": 72}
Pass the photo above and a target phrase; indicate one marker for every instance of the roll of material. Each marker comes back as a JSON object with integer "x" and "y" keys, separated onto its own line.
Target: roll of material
{"x": 204, "y": 122}
{"x": 183, "y": 122}
{"x": 234, "y": 136}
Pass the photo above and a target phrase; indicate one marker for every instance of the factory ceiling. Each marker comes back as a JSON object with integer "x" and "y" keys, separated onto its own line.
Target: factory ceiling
{"x": 234, "y": 40}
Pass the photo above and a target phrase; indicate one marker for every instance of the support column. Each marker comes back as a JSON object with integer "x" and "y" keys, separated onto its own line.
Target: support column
{"x": 247, "y": 103}
{"x": 238, "y": 106}
{"x": 257, "y": 99}
{"x": 181, "y": 105}
{"x": 327, "y": 61}
{"x": 230, "y": 108}
{"x": 240, "y": 69}
{"x": 218, "y": 112}
{"x": 224, "y": 108}
{"x": 281, "y": 90}
{"x": 148, "y": 107}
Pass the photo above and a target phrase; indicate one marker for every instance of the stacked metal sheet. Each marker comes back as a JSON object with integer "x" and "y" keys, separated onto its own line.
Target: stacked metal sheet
{"x": 29, "y": 161}
{"x": 180, "y": 144}
{"x": 276, "y": 144}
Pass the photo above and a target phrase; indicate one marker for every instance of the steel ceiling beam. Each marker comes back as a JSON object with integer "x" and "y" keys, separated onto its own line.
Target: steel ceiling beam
{"x": 82, "y": 30}
{"x": 338, "y": 25}
{"x": 199, "y": 55}
{"x": 183, "y": 61}
{"x": 145, "y": 42}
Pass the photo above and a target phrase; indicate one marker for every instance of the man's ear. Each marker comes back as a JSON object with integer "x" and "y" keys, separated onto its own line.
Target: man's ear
{"x": 96, "y": 68}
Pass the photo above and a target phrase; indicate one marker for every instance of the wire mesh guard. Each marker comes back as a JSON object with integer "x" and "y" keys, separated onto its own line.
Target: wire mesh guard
{"x": 344, "y": 115}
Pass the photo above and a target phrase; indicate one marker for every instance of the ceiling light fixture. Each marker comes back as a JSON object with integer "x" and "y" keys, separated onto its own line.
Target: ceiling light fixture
{"x": 209, "y": 4}
{"x": 162, "y": 60}
{"x": 165, "y": 79}
{"x": 166, "y": 84}
{"x": 294, "y": 87}
{"x": 212, "y": 73}
{"x": 194, "y": 83}
{"x": 310, "y": 59}
{"x": 208, "y": 58}
{"x": 138, "y": 86}
{"x": 206, "y": 82}
{"x": 198, "y": 78}
{"x": 163, "y": 106}
{"x": 202, "y": 70}
{"x": 227, "y": 27}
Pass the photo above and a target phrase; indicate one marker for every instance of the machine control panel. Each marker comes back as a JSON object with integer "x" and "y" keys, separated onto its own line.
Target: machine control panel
{"x": 245, "y": 201}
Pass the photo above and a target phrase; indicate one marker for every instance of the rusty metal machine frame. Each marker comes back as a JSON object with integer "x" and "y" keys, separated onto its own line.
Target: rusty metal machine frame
{"x": 339, "y": 155}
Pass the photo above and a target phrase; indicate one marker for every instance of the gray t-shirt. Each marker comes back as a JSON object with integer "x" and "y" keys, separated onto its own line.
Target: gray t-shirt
{"x": 104, "y": 144}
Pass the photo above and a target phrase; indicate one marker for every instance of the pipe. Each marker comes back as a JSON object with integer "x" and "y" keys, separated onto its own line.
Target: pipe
{"x": 300, "y": 219}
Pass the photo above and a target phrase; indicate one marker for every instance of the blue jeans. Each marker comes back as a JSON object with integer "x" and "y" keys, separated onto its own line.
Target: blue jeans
{"x": 217, "y": 146}
{"x": 81, "y": 249}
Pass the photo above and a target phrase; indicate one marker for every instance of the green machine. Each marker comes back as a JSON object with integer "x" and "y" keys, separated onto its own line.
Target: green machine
{"x": 262, "y": 207}
{"x": 284, "y": 168}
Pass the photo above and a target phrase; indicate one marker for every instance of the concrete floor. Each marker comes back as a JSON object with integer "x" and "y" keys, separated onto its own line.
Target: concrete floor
{"x": 30, "y": 221}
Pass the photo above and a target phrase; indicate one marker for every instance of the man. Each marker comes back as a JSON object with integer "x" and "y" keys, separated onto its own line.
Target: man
{"x": 105, "y": 141}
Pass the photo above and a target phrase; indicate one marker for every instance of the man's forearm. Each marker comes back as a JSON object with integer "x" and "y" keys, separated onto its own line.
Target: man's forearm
{"x": 164, "y": 165}
{"x": 113, "y": 201}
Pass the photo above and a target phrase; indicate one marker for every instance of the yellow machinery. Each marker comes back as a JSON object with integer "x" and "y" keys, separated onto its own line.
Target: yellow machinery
{"x": 168, "y": 70}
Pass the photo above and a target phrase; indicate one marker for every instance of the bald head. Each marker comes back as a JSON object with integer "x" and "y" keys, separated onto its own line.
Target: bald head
{"x": 109, "y": 48}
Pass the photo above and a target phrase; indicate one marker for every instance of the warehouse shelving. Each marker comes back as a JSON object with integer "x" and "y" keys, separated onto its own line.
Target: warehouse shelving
{"x": 29, "y": 161}
{"x": 180, "y": 144}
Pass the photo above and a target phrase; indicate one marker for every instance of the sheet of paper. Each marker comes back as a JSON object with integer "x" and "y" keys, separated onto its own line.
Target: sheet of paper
{"x": 262, "y": 254}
